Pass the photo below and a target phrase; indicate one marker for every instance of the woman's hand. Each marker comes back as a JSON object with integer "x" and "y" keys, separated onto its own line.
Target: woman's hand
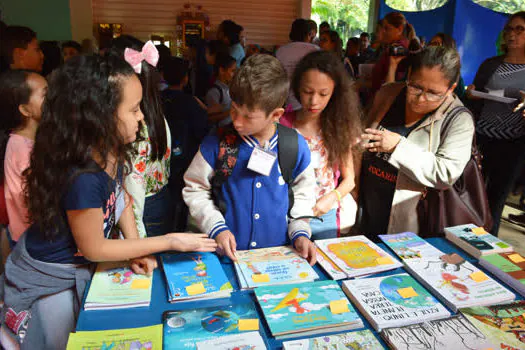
{"x": 395, "y": 60}
{"x": 383, "y": 141}
{"x": 325, "y": 204}
{"x": 469, "y": 90}
{"x": 521, "y": 104}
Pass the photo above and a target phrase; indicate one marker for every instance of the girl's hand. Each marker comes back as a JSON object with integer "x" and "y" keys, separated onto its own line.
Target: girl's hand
{"x": 384, "y": 141}
{"x": 144, "y": 265}
{"x": 325, "y": 204}
{"x": 191, "y": 242}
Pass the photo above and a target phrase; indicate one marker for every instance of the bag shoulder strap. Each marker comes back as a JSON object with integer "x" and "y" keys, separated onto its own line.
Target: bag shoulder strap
{"x": 287, "y": 155}
{"x": 221, "y": 95}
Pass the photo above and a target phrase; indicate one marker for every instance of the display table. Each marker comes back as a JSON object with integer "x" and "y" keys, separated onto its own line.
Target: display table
{"x": 140, "y": 317}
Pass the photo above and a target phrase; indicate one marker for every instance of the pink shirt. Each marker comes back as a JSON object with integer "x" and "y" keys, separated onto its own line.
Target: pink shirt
{"x": 17, "y": 158}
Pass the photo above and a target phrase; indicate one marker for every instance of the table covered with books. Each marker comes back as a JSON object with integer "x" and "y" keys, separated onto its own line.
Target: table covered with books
{"x": 391, "y": 304}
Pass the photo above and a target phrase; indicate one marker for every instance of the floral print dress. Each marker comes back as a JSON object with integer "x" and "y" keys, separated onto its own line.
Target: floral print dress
{"x": 147, "y": 177}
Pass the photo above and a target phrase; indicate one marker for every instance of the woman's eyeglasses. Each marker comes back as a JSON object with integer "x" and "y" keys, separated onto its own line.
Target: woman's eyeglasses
{"x": 517, "y": 29}
{"x": 418, "y": 91}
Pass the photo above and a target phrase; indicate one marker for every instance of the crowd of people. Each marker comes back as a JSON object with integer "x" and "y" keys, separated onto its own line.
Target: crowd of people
{"x": 114, "y": 155}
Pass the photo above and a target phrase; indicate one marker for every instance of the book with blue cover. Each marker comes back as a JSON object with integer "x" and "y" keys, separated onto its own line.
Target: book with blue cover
{"x": 184, "y": 329}
{"x": 304, "y": 309}
{"x": 408, "y": 245}
{"x": 192, "y": 276}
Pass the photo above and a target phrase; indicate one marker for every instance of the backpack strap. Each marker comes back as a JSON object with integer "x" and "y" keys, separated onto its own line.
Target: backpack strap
{"x": 287, "y": 155}
{"x": 221, "y": 95}
{"x": 226, "y": 160}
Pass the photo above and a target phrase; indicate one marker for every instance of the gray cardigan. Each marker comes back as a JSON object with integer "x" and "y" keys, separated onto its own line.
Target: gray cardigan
{"x": 427, "y": 157}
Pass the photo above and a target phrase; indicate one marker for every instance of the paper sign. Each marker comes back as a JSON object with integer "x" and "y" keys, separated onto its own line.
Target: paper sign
{"x": 479, "y": 231}
{"x": 407, "y": 292}
{"x": 478, "y": 276}
{"x": 261, "y": 277}
{"x": 339, "y": 306}
{"x": 140, "y": 284}
{"x": 516, "y": 258}
{"x": 194, "y": 289}
{"x": 385, "y": 260}
{"x": 248, "y": 324}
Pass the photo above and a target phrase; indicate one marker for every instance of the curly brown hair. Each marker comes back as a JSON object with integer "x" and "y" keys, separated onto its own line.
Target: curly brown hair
{"x": 341, "y": 119}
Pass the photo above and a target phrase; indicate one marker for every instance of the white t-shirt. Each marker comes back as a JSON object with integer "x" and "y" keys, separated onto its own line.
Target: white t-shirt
{"x": 289, "y": 55}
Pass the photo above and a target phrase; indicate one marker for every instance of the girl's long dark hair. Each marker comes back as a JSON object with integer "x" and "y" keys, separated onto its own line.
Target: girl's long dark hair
{"x": 341, "y": 119}
{"x": 151, "y": 104}
{"x": 14, "y": 91}
{"x": 79, "y": 118}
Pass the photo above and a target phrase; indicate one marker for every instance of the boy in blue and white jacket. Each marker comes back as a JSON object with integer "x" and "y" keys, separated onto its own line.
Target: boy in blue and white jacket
{"x": 256, "y": 204}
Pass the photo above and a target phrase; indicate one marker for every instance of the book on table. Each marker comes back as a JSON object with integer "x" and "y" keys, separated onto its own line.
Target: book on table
{"x": 184, "y": 329}
{"x": 329, "y": 266}
{"x": 503, "y": 325}
{"x": 362, "y": 340}
{"x": 305, "y": 309}
{"x": 241, "y": 341}
{"x": 450, "y": 333}
{"x": 393, "y": 301}
{"x": 408, "y": 245}
{"x": 475, "y": 240}
{"x": 458, "y": 283}
{"x": 357, "y": 255}
{"x": 125, "y": 339}
{"x": 508, "y": 267}
{"x": 115, "y": 286}
{"x": 272, "y": 266}
{"x": 192, "y": 276}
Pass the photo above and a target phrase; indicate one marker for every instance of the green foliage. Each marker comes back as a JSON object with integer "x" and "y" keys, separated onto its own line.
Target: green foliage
{"x": 505, "y": 6}
{"x": 349, "y": 18}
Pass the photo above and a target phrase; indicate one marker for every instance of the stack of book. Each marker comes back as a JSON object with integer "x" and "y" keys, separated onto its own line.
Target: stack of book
{"x": 115, "y": 286}
{"x": 450, "y": 333}
{"x": 509, "y": 267}
{"x": 362, "y": 340}
{"x": 356, "y": 256}
{"x": 393, "y": 301}
{"x": 458, "y": 283}
{"x": 248, "y": 341}
{"x": 272, "y": 266}
{"x": 408, "y": 245}
{"x": 193, "y": 276}
{"x": 306, "y": 309}
{"x": 476, "y": 241}
{"x": 134, "y": 338}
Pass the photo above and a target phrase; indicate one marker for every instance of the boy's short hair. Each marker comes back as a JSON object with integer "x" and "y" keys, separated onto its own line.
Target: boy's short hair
{"x": 72, "y": 44}
{"x": 261, "y": 82}
{"x": 364, "y": 34}
{"x": 300, "y": 30}
{"x": 223, "y": 61}
{"x": 312, "y": 25}
{"x": 16, "y": 37}
{"x": 175, "y": 70}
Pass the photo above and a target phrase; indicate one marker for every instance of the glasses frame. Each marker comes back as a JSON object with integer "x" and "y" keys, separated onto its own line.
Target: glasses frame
{"x": 429, "y": 96}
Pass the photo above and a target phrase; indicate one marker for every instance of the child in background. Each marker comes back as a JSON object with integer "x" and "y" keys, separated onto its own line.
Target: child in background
{"x": 330, "y": 123}
{"x": 75, "y": 199}
{"x": 21, "y": 49}
{"x": 218, "y": 97}
{"x": 21, "y": 96}
{"x": 70, "y": 49}
{"x": 188, "y": 122}
{"x": 253, "y": 202}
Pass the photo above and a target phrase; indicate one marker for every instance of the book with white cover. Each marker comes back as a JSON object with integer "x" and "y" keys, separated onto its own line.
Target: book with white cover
{"x": 384, "y": 303}
{"x": 240, "y": 341}
{"x": 408, "y": 245}
{"x": 362, "y": 340}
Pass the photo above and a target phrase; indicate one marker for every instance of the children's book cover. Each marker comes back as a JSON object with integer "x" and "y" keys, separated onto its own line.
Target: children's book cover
{"x": 358, "y": 340}
{"x": 451, "y": 333}
{"x": 241, "y": 341}
{"x": 329, "y": 266}
{"x": 183, "y": 270}
{"x": 482, "y": 241}
{"x": 512, "y": 264}
{"x": 459, "y": 282}
{"x": 183, "y": 329}
{"x": 301, "y": 307}
{"x": 503, "y": 325}
{"x": 383, "y": 301}
{"x": 277, "y": 265}
{"x": 357, "y": 255}
{"x": 115, "y": 285}
{"x": 144, "y": 338}
{"x": 408, "y": 245}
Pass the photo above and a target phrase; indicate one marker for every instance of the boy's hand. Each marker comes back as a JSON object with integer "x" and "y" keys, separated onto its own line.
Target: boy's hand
{"x": 226, "y": 244}
{"x": 144, "y": 265}
{"x": 306, "y": 249}
{"x": 191, "y": 242}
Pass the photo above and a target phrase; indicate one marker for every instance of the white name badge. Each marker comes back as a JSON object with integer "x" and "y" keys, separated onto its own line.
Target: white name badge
{"x": 261, "y": 161}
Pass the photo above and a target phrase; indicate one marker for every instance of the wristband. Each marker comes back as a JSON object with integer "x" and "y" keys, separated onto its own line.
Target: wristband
{"x": 338, "y": 194}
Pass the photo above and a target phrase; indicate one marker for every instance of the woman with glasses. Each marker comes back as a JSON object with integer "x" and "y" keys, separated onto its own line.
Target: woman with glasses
{"x": 414, "y": 142}
{"x": 501, "y": 131}
{"x": 443, "y": 39}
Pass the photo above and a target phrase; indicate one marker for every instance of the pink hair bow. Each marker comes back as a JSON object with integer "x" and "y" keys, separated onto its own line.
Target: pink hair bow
{"x": 149, "y": 54}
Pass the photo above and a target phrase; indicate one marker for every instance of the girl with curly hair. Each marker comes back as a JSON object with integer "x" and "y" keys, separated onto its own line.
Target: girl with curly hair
{"x": 75, "y": 197}
{"x": 330, "y": 121}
